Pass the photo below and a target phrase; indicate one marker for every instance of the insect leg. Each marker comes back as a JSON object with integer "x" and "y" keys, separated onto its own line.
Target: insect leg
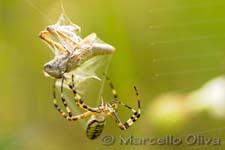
{"x": 53, "y": 44}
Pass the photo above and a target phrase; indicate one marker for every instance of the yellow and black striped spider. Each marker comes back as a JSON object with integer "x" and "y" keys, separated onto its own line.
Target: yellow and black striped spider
{"x": 97, "y": 115}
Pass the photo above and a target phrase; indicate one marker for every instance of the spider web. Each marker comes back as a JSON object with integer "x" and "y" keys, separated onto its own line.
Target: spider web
{"x": 176, "y": 26}
{"x": 165, "y": 48}
{"x": 87, "y": 75}
{"x": 84, "y": 75}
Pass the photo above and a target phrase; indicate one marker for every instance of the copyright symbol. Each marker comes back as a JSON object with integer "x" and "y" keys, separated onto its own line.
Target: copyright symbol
{"x": 108, "y": 140}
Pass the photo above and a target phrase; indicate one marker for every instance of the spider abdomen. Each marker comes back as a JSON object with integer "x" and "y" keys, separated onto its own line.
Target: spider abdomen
{"x": 94, "y": 128}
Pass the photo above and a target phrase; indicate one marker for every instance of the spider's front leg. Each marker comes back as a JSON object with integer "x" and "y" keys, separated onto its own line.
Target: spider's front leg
{"x": 133, "y": 118}
{"x": 114, "y": 93}
{"x": 78, "y": 99}
{"x": 68, "y": 114}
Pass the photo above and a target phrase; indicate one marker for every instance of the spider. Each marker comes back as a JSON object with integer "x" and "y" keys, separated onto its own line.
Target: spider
{"x": 95, "y": 124}
{"x": 70, "y": 49}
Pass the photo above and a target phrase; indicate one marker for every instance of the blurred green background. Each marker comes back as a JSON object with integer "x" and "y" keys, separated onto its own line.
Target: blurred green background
{"x": 162, "y": 47}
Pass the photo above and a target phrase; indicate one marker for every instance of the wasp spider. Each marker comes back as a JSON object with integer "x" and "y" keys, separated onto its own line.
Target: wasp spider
{"x": 97, "y": 115}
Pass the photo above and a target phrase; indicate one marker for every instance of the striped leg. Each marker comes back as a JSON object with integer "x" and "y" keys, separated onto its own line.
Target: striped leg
{"x": 64, "y": 114}
{"x": 64, "y": 100}
{"x": 82, "y": 116}
{"x": 115, "y": 96}
{"x": 69, "y": 117}
{"x": 114, "y": 93}
{"x": 134, "y": 117}
{"x": 78, "y": 100}
{"x": 118, "y": 121}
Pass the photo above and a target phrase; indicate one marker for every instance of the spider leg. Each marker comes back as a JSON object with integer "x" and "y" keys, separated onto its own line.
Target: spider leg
{"x": 114, "y": 93}
{"x": 63, "y": 101}
{"x": 78, "y": 100}
{"x": 68, "y": 117}
{"x": 133, "y": 118}
{"x": 118, "y": 121}
{"x": 63, "y": 98}
{"x": 57, "y": 106}
{"x": 81, "y": 116}
{"x": 115, "y": 96}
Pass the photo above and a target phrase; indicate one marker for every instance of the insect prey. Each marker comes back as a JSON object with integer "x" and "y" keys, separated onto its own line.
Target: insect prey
{"x": 69, "y": 48}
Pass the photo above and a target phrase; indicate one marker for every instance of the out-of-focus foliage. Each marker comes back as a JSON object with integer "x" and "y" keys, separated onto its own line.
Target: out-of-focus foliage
{"x": 161, "y": 46}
